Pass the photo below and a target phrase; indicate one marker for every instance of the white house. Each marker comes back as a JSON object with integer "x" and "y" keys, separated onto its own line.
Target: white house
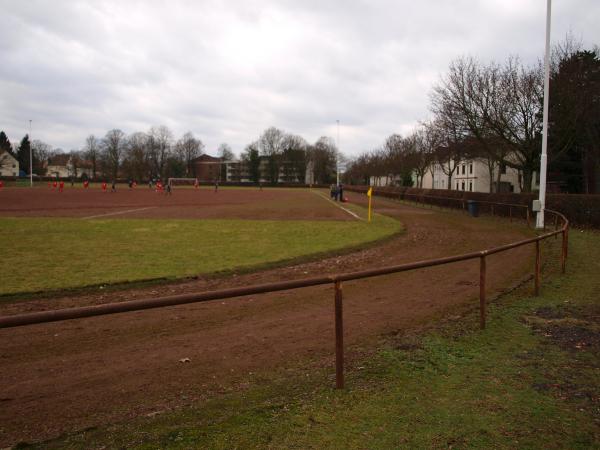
{"x": 9, "y": 166}
{"x": 65, "y": 166}
{"x": 473, "y": 175}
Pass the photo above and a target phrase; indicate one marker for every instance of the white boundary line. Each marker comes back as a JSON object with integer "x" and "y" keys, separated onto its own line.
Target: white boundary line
{"x": 339, "y": 206}
{"x": 118, "y": 212}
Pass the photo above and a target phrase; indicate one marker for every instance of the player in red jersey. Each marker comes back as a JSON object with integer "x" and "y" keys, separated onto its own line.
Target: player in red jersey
{"x": 86, "y": 183}
{"x": 104, "y": 186}
{"x": 61, "y": 186}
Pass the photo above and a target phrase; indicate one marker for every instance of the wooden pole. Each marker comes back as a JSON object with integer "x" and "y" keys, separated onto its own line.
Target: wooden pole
{"x": 482, "y": 273}
{"x": 339, "y": 337}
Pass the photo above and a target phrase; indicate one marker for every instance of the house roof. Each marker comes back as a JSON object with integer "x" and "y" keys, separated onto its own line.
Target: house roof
{"x": 206, "y": 159}
{"x": 59, "y": 160}
{"x": 4, "y": 154}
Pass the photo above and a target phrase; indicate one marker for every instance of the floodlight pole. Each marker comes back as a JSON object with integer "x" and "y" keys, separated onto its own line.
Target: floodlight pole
{"x": 30, "y": 157}
{"x": 544, "y": 157}
{"x": 337, "y": 156}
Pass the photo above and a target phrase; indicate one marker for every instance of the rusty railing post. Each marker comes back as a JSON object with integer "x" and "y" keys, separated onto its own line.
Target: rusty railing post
{"x": 482, "y": 273}
{"x": 528, "y": 218}
{"x": 537, "y": 268}
{"x": 510, "y": 212}
{"x": 563, "y": 254}
{"x": 339, "y": 337}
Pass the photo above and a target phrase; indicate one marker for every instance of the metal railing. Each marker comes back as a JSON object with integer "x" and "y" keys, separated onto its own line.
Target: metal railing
{"x": 19, "y": 320}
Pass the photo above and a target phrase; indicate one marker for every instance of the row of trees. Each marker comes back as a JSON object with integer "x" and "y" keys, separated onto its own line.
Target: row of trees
{"x": 493, "y": 112}
{"x": 156, "y": 154}
{"x": 288, "y": 156}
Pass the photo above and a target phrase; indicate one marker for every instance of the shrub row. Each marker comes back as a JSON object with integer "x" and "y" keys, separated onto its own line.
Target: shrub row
{"x": 581, "y": 210}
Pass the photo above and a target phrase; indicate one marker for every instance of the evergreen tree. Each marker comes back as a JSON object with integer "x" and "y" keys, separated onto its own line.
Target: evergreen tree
{"x": 23, "y": 153}
{"x": 5, "y": 143}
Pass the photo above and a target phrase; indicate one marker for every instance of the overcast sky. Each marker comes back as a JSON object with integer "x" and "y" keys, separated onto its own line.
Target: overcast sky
{"x": 228, "y": 70}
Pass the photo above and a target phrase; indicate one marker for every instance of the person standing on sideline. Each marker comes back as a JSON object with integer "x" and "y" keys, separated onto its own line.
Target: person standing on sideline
{"x": 341, "y": 192}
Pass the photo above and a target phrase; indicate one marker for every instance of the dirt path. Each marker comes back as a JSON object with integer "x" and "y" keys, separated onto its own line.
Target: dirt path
{"x": 63, "y": 377}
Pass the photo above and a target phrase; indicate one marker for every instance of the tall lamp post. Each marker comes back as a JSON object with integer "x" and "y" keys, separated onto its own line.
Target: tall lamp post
{"x": 544, "y": 158}
{"x": 337, "y": 156}
{"x": 30, "y": 157}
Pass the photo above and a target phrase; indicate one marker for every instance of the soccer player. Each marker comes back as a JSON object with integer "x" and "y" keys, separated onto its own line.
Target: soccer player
{"x": 104, "y": 186}
{"x": 86, "y": 183}
{"x": 54, "y": 184}
{"x": 1, "y": 184}
{"x": 61, "y": 186}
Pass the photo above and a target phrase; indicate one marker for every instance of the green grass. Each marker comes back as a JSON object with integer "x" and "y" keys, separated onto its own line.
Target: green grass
{"x": 49, "y": 254}
{"x": 530, "y": 380}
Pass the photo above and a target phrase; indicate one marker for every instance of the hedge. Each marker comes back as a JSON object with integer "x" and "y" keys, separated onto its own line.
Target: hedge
{"x": 582, "y": 210}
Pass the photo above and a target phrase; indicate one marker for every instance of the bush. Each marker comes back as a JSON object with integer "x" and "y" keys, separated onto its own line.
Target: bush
{"x": 582, "y": 210}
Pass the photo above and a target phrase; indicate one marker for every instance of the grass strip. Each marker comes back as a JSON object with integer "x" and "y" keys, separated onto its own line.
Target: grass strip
{"x": 530, "y": 380}
{"x": 60, "y": 253}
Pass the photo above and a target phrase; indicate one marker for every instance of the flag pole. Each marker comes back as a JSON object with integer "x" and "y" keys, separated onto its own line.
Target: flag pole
{"x": 544, "y": 157}
{"x": 370, "y": 195}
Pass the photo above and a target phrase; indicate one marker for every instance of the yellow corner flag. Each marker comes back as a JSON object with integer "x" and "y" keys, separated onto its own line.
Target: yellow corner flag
{"x": 369, "y": 194}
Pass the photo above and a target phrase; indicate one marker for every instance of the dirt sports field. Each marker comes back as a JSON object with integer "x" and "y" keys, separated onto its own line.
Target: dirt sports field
{"x": 66, "y": 376}
{"x": 184, "y": 203}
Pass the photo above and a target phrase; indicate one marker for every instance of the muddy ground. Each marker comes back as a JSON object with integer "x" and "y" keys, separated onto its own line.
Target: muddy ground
{"x": 66, "y": 376}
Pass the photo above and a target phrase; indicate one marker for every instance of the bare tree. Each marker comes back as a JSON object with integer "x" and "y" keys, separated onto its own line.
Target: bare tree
{"x": 323, "y": 157}
{"x": 160, "y": 146}
{"x": 41, "y": 153}
{"x": 499, "y": 105}
{"x": 136, "y": 161}
{"x": 113, "y": 147}
{"x": 225, "y": 152}
{"x": 92, "y": 152}
{"x": 189, "y": 148}
{"x": 271, "y": 146}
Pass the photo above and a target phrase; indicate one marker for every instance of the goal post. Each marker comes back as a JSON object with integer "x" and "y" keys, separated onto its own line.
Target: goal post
{"x": 183, "y": 182}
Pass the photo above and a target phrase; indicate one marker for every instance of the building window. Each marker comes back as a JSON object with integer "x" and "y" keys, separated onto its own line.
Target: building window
{"x": 471, "y": 168}
{"x": 463, "y": 169}
{"x": 462, "y": 186}
{"x": 457, "y": 185}
{"x": 471, "y": 186}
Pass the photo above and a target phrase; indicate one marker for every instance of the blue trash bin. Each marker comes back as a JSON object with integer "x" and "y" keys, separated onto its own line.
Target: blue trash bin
{"x": 473, "y": 208}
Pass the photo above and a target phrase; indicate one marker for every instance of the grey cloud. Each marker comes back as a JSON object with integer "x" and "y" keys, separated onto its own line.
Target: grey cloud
{"x": 228, "y": 70}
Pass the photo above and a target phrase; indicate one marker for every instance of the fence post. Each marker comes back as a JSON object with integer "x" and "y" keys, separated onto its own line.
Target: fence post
{"x": 339, "y": 337}
{"x": 563, "y": 255}
{"x": 528, "y": 218}
{"x": 482, "y": 273}
{"x": 510, "y": 212}
{"x": 537, "y": 268}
